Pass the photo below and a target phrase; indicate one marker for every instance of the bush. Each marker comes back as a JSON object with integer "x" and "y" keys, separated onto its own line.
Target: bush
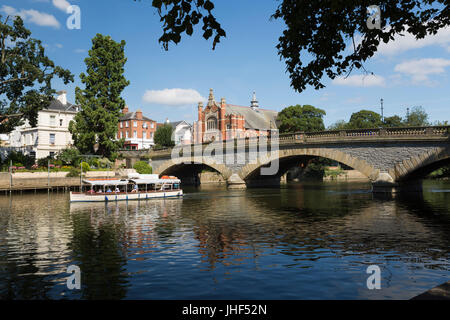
{"x": 43, "y": 162}
{"x": 19, "y": 159}
{"x": 69, "y": 156}
{"x": 94, "y": 162}
{"x": 105, "y": 163}
{"x": 73, "y": 172}
{"x": 142, "y": 167}
{"x": 85, "y": 166}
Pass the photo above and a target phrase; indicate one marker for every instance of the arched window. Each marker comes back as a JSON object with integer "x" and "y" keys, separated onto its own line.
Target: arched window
{"x": 211, "y": 123}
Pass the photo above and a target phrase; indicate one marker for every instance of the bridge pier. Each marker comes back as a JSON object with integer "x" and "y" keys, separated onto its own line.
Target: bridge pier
{"x": 397, "y": 187}
{"x": 236, "y": 182}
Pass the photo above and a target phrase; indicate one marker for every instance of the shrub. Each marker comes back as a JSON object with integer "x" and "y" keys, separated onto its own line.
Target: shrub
{"x": 19, "y": 159}
{"x": 69, "y": 156}
{"x": 105, "y": 163}
{"x": 73, "y": 172}
{"x": 142, "y": 167}
{"x": 94, "y": 162}
{"x": 43, "y": 162}
{"x": 85, "y": 166}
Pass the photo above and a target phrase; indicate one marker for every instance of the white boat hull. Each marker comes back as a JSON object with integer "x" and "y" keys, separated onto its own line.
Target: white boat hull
{"x": 106, "y": 197}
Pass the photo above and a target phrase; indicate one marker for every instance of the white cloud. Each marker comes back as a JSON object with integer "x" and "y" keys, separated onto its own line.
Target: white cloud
{"x": 61, "y": 4}
{"x": 172, "y": 97}
{"x": 421, "y": 69}
{"x": 32, "y": 16}
{"x": 80, "y": 50}
{"x": 408, "y": 41}
{"x": 360, "y": 80}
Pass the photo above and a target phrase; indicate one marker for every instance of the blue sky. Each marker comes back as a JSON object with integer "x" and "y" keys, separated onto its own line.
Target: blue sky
{"x": 407, "y": 73}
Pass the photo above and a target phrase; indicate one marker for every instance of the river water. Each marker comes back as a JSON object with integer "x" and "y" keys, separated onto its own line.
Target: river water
{"x": 300, "y": 241}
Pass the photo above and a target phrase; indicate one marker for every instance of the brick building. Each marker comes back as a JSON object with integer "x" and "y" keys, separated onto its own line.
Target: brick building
{"x": 222, "y": 121}
{"x": 136, "y": 129}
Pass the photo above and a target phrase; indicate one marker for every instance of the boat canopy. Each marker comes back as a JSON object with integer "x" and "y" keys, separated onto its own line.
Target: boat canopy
{"x": 154, "y": 181}
{"x": 106, "y": 182}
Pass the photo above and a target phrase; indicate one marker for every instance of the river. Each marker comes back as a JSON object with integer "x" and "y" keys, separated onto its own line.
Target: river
{"x": 300, "y": 241}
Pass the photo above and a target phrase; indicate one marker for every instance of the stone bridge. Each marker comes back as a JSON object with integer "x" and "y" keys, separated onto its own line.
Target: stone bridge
{"x": 392, "y": 158}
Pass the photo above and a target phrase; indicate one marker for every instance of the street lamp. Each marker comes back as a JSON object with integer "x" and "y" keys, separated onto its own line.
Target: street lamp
{"x": 382, "y": 115}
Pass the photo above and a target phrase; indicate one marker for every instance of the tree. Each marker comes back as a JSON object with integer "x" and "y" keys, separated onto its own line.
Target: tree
{"x": 25, "y": 75}
{"x": 364, "y": 119}
{"x": 317, "y": 32}
{"x": 394, "y": 121}
{"x": 163, "y": 136}
{"x": 417, "y": 118}
{"x": 96, "y": 124}
{"x": 142, "y": 167}
{"x": 338, "y": 125}
{"x": 301, "y": 118}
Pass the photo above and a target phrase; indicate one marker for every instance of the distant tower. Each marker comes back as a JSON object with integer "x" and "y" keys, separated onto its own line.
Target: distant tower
{"x": 254, "y": 102}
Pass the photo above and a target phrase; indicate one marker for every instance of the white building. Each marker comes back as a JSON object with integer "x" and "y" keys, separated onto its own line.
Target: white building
{"x": 182, "y": 132}
{"x": 51, "y": 133}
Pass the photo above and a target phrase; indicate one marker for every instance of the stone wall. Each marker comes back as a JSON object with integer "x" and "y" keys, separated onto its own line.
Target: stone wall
{"x": 211, "y": 178}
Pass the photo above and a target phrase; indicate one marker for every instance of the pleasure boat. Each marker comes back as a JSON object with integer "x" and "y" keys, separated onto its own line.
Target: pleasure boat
{"x": 138, "y": 187}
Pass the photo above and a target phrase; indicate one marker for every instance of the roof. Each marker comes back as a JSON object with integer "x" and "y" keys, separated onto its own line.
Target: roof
{"x": 115, "y": 182}
{"x": 132, "y": 116}
{"x": 151, "y": 181}
{"x": 175, "y": 124}
{"x": 58, "y": 106}
{"x": 255, "y": 118}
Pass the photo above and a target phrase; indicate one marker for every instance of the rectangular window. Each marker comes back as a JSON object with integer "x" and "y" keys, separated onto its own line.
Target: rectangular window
{"x": 144, "y": 135}
{"x": 135, "y": 124}
{"x": 60, "y": 122}
{"x": 121, "y": 124}
{"x": 152, "y": 125}
{"x": 52, "y": 138}
{"x": 151, "y": 135}
{"x": 121, "y": 134}
{"x": 135, "y": 134}
{"x": 126, "y": 134}
{"x": 126, "y": 124}
{"x": 52, "y": 121}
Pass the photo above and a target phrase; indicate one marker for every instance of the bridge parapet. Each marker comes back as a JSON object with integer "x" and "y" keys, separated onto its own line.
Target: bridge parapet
{"x": 338, "y": 136}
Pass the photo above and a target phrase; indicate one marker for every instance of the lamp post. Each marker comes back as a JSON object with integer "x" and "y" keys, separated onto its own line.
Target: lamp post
{"x": 382, "y": 115}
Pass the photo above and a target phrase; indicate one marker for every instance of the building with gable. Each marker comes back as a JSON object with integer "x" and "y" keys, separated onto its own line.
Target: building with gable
{"x": 136, "y": 129}
{"x": 222, "y": 121}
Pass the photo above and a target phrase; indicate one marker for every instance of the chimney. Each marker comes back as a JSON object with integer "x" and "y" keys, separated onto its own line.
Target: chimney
{"x": 139, "y": 114}
{"x": 62, "y": 96}
{"x": 125, "y": 109}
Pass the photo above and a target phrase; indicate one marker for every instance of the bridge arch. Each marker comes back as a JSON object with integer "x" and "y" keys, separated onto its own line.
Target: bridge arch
{"x": 170, "y": 164}
{"x": 421, "y": 165}
{"x": 358, "y": 164}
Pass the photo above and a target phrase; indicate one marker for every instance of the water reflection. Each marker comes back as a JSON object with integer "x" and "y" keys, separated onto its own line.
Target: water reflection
{"x": 298, "y": 242}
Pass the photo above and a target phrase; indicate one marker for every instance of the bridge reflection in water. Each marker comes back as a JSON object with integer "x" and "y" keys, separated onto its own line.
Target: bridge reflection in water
{"x": 299, "y": 241}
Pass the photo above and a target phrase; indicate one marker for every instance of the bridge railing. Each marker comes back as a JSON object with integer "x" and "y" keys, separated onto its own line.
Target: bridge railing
{"x": 331, "y": 135}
